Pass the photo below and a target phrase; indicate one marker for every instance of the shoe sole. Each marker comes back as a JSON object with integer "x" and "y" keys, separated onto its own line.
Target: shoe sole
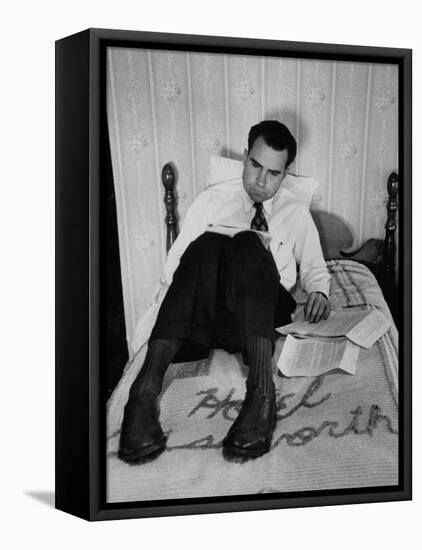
{"x": 132, "y": 457}
{"x": 251, "y": 453}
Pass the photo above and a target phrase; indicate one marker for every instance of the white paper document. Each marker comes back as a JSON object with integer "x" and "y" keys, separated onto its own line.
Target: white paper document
{"x": 231, "y": 231}
{"x": 363, "y": 328}
{"x": 315, "y": 356}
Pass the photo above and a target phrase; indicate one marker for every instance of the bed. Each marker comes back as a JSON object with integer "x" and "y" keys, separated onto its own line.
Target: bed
{"x": 334, "y": 431}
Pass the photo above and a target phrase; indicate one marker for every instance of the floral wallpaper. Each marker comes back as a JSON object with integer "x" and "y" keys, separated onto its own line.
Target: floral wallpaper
{"x": 183, "y": 106}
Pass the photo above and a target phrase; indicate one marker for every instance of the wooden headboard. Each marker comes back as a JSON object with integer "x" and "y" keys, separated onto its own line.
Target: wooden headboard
{"x": 335, "y": 235}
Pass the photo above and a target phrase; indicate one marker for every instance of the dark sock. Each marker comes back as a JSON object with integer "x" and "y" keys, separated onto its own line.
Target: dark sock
{"x": 159, "y": 355}
{"x": 259, "y": 353}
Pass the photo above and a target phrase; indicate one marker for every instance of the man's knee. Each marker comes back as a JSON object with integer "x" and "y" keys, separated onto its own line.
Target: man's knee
{"x": 245, "y": 247}
{"x": 208, "y": 244}
{"x": 246, "y": 240}
{"x": 247, "y": 256}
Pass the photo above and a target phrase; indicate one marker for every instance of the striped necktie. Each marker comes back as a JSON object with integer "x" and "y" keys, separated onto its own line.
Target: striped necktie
{"x": 259, "y": 223}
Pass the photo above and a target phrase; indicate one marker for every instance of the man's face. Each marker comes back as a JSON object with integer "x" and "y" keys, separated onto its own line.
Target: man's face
{"x": 263, "y": 170}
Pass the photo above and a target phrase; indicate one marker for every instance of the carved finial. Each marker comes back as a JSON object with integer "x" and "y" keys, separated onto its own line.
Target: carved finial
{"x": 393, "y": 185}
{"x": 169, "y": 179}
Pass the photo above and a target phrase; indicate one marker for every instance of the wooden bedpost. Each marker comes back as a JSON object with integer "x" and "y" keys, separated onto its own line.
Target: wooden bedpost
{"x": 169, "y": 179}
{"x": 390, "y": 229}
{"x": 389, "y": 287}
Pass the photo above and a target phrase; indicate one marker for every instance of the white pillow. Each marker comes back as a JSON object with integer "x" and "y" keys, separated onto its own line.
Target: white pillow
{"x": 223, "y": 169}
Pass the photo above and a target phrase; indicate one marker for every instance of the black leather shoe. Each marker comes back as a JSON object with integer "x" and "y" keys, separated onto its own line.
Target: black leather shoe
{"x": 251, "y": 432}
{"x": 141, "y": 434}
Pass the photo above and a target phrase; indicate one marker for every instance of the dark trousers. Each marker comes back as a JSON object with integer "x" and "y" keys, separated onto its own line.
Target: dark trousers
{"x": 224, "y": 290}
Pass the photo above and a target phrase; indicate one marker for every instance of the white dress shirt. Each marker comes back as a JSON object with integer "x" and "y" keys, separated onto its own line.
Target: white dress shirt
{"x": 295, "y": 240}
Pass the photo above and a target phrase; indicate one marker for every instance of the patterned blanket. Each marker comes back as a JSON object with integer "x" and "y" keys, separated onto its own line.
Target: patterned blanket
{"x": 333, "y": 431}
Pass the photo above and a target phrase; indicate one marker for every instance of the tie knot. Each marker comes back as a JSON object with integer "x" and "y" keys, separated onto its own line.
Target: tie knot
{"x": 258, "y": 206}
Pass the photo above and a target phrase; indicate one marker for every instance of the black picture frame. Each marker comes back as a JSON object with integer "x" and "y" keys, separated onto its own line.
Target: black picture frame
{"x": 80, "y": 289}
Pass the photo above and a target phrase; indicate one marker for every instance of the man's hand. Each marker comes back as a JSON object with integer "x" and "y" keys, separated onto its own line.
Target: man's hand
{"x": 317, "y": 307}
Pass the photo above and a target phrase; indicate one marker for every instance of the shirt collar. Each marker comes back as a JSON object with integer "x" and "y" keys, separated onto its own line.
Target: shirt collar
{"x": 248, "y": 203}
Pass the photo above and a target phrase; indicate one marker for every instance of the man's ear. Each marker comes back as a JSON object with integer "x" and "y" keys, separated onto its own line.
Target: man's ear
{"x": 245, "y": 155}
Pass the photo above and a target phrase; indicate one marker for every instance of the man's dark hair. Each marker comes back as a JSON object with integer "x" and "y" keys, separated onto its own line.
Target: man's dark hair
{"x": 276, "y": 135}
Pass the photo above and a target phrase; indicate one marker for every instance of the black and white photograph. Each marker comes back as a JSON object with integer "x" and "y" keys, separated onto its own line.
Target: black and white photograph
{"x": 253, "y": 274}
{"x": 210, "y": 303}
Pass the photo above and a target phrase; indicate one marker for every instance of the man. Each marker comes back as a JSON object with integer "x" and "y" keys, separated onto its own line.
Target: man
{"x": 231, "y": 292}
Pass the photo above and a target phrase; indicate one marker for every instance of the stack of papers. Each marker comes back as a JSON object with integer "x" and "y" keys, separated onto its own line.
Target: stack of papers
{"x": 330, "y": 344}
{"x": 312, "y": 357}
{"x": 363, "y": 328}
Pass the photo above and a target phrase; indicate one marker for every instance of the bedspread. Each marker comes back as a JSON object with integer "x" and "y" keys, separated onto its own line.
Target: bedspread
{"x": 333, "y": 431}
